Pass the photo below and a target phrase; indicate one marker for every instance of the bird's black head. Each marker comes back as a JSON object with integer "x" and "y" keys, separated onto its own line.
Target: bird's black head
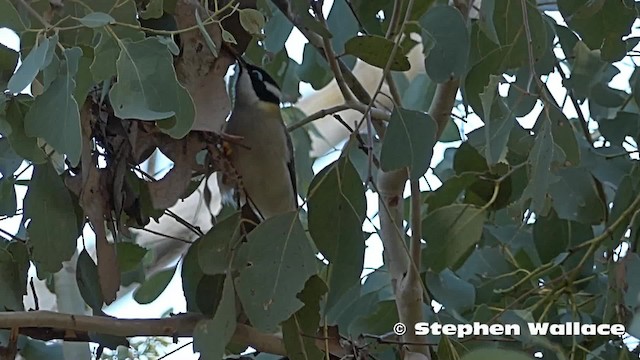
{"x": 262, "y": 84}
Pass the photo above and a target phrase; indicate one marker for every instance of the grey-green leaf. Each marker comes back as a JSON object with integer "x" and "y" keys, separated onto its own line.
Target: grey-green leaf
{"x": 54, "y": 115}
{"x": 409, "y": 142}
{"x": 14, "y": 264}
{"x": 147, "y": 88}
{"x": 337, "y": 208}
{"x": 210, "y": 337}
{"x": 279, "y": 260}
{"x": 31, "y": 65}
{"x": 215, "y": 246}
{"x": 97, "y": 19}
{"x": 375, "y": 50}
{"x": 129, "y": 255}
{"x": 88, "y": 282}
{"x": 449, "y": 51}
{"x": 53, "y": 229}
{"x": 153, "y": 286}
{"x": 454, "y": 231}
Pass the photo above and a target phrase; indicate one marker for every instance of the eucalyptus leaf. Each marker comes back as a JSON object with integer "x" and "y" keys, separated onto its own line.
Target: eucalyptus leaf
{"x": 449, "y": 48}
{"x": 375, "y": 50}
{"x": 210, "y": 337}
{"x": 147, "y": 88}
{"x": 153, "y": 286}
{"x": 268, "y": 288}
{"x": 53, "y": 228}
{"x": 31, "y": 65}
{"x": 408, "y": 142}
{"x": 454, "y": 231}
{"x": 97, "y": 19}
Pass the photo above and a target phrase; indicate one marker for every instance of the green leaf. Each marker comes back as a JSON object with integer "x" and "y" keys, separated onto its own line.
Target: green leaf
{"x": 510, "y": 28}
{"x": 492, "y": 353}
{"x": 88, "y": 282}
{"x": 337, "y": 208}
{"x": 214, "y": 248}
{"x": 97, "y": 19}
{"x": 30, "y": 67}
{"x": 343, "y": 26}
{"x": 9, "y": 17}
{"x": 201, "y": 291}
{"x": 25, "y": 146}
{"x": 601, "y": 24}
{"x": 277, "y": 29}
{"x": 129, "y": 255}
{"x": 153, "y": 286}
{"x": 408, "y": 142}
{"x": 478, "y": 77}
{"x": 375, "y": 50}
{"x": 8, "y": 63}
{"x": 9, "y": 160}
{"x": 305, "y": 321}
{"x": 8, "y": 205}
{"x": 454, "y": 231}
{"x": 448, "y": 42}
{"x": 450, "y": 190}
{"x": 564, "y": 135}
{"x": 626, "y": 192}
{"x": 522, "y": 95}
{"x": 624, "y": 124}
{"x": 498, "y": 122}
{"x": 540, "y": 177}
{"x": 14, "y": 265}
{"x": 210, "y": 337}
{"x": 551, "y": 236}
{"x": 226, "y": 37}
{"x": 147, "y": 88}
{"x": 154, "y": 10}
{"x": 251, "y": 20}
{"x": 456, "y": 295}
{"x": 575, "y": 196}
{"x": 486, "y": 21}
{"x": 301, "y": 9}
{"x": 284, "y": 70}
{"x": 632, "y": 265}
{"x": 419, "y": 94}
{"x": 53, "y": 229}
{"x": 314, "y": 68}
{"x": 279, "y": 260}
{"x": 587, "y": 70}
{"x": 54, "y": 115}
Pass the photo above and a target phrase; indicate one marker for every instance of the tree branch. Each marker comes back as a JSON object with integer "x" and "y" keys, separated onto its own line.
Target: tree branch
{"x": 405, "y": 278}
{"x": 353, "y": 105}
{"x": 49, "y": 325}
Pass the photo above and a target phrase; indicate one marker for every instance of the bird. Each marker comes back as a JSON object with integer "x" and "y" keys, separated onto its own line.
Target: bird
{"x": 262, "y": 157}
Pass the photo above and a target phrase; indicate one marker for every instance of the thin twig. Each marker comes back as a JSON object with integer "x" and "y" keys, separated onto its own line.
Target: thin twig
{"x": 166, "y": 235}
{"x": 36, "y": 302}
{"x": 330, "y": 55}
{"x": 584, "y": 122}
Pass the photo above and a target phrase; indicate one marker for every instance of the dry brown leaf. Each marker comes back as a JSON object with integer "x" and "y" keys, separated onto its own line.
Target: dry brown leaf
{"x": 94, "y": 202}
{"x": 166, "y": 191}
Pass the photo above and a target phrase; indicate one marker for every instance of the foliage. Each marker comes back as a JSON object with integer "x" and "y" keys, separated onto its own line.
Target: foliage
{"x": 535, "y": 218}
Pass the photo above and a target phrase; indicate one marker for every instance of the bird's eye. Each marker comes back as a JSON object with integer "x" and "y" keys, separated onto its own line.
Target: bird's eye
{"x": 257, "y": 74}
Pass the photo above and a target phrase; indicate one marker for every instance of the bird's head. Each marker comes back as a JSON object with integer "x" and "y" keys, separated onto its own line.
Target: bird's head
{"x": 256, "y": 86}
